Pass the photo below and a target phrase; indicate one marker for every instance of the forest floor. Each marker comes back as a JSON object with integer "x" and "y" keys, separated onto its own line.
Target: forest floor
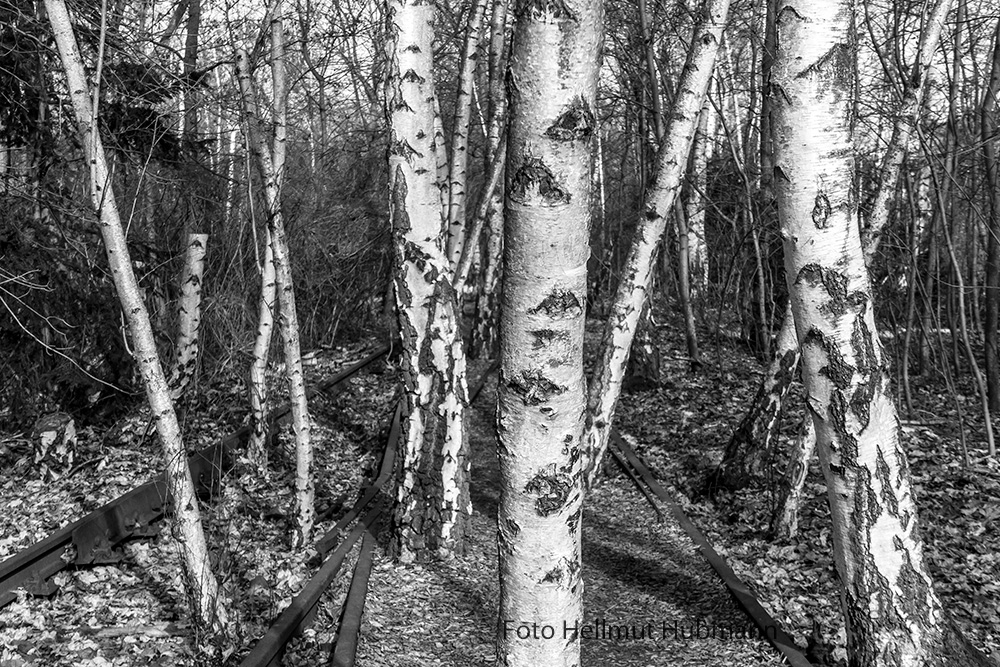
{"x": 638, "y": 572}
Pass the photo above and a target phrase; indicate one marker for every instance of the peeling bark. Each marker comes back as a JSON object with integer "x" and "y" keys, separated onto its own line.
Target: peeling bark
{"x": 433, "y": 506}
{"x": 893, "y": 616}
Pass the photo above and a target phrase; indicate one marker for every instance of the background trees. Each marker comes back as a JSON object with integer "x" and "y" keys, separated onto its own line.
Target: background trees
{"x": 266, "y": 130}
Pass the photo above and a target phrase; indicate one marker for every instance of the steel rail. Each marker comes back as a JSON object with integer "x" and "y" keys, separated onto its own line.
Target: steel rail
{"x": 134, "y": 513}
{"x": 765, "y": 623}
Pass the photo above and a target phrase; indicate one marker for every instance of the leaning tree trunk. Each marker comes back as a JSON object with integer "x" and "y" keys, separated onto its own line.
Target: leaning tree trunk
{"x": 206, "y": 599}
{"x": 893, "y": 616}
{"x": 287, "y": 317}
{"x": 258, "y": 390}
{"x": 750, "y": 447}
{"x": 541, "y": 393}
{"x": 433, "y": 506}
{"x": 636, "y": 277}
{"x": 189, "y": 315}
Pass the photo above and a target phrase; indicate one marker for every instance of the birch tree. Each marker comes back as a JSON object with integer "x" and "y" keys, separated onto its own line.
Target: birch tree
{"x": 207, "y": 601}
{"x": 751, "y": 444}
{"x": 637, "y": 274}
{"x": 554, "y": 67}
{"x": 189, "y": 314}
{"x": 285, "y": 290}
{"x": 432, "y": 505}
{"x": 894, "y": 617}
{"x": 458, "y": 169}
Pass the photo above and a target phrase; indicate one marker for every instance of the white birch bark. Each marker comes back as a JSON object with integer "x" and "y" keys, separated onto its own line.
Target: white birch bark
{"x": 541, "y": 393}
{"x": 258, "y": 392}
{"x": 189, "y": 315}
{"x": 632, "y": 289}
{"x": 458, "y": 169}
{"x": 206, "y": 599}
{"x": 702, "y": 150}
{"x": 433, "y": 507}
{"x": 288, "y": 319}
{"x": 893, "y": 615}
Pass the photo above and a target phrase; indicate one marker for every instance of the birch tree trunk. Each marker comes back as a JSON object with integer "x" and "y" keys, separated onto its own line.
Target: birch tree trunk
{"x": 893, "y": 615}
{"x": 206, "y": 599}
{"x": 458, "y": 170}
{"x": 484, "y": 334}
{"x": 636, "y": 276}
{"x": 433, "y": 506}
{"x": 288, "y": 319}
{"x": 189, "y": 315}
{"x": 268, "y": 281}
{"x": 751, "y": 445}
{"x": 702, "y": 149}
{"x": 541, "y": 393}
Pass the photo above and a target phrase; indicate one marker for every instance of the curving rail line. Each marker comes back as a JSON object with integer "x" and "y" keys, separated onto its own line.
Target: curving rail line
{"x": 134, "y": 514}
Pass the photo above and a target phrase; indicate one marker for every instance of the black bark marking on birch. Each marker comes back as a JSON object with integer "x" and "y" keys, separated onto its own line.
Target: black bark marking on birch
{"x": 544, "y": 337}
{"x": 400, "y": 217}
{"x": 916, "y": 590}
{"x": 534, "y": 176}
{"x": 573, "y": 520}
{"x": 533, "y": 387}
{"x": 547, "y": 10}
{"x": 553, "y": 576}
{"x": 838, "y": 370}
{"x": 552, "y": 488}
{"x": 821, "y": 211}
{"x": 835, "y": 284}
{"x": 412, "y": 48}
{"x": 838, "y": 418}
{"x": 577, "y": 122}
{"x": 512, "y": 528}
{"x": 882, "y": 474}
{"x": 558, "y": 304}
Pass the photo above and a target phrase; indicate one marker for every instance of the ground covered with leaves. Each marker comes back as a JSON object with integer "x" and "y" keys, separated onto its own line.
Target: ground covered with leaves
{"x": 133, "y": 613}
{"x": 682, "y": 428}
{"x": 643, "y": 577}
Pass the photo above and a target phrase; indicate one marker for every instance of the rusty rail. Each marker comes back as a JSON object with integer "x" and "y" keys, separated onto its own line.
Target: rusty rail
{"x": 97, "y": 535}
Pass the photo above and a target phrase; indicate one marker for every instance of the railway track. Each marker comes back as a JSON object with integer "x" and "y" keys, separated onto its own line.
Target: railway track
{"x": 369, "y": 510}
{"x": 95, "y": 537}
{"x": 135, "y": 514}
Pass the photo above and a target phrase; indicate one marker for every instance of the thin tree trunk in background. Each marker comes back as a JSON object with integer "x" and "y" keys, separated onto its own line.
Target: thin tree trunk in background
{"x": 893, "y": 615}
{"x": 458, "y": 169}
{"x": 433, "y": 507}
{"x": 989, "y": 128}
{"x": 258, "y": 390}
{"x": 261, "y": 349}
{"x": 287, "y": 318}
{"x": 654, "y": 81}
{"x": 484, "y": 334}
{"x": 541, "y": 395}
{"x": 189, "y": 315}
{"x": 702, "y": 149}
{"x": 441, "y": 164}
{"x": 684, "y": 284}
{"x": 208, "y": 604}
{"x": 632, "y": 290}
